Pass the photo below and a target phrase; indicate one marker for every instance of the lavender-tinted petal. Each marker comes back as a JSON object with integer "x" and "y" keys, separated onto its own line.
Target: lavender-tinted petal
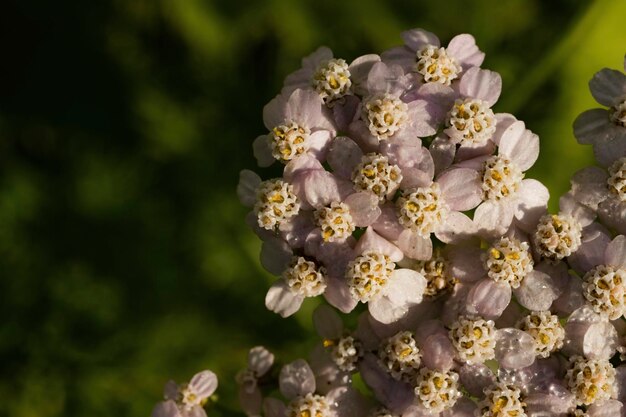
{"x": 532, "y": 203}
{"x": 537, "y": 291}
{"x": 592, "y": 126}
{"x": 373, "y": 242}
{"x": 616, "y": 252}
{"x": 589, "y": 186}
{"x": 274, "y": 112}
{"x": 510, "y": 316}
{"x": 384, "y": 78}
{"x": 296, "y": 379}
{"x": 438, "y": 352}
{"x": 493, "y": 218}
{"x": 364, "y": 208}
{"x": 260, "y": 360}
{"x": 620, "y": 383}
{"x": 606, "y": 408}
{"x": 464, "y": 49}
{"x": 475, "y": 378}
{"x": 488, "y": 299}
{"x": 421, "y": 121}
{"x": 571, "y": 298}
{"x": 281, "y": 300}
{"x": 360, "y": 68}
{"x": 247, "y": 186}
{"x": 273, "y": 407}
{"x": 348, "y": 402}
{"x": 327, "y": 322}
{"x": 387, "y": 224}
{"x": 393, "y": 394}
{"x": 404, "y": 289}
{"x": 366, "y": 333}
{"x": 400, "y": 55}
{"x": 170, "y": 391}
{"x": 338, "y": 295}
{"x": 466, "y": 263}
{"x": 322, "y": 188}
{"x": 344, "y": 155}
{"x": 464, "y": 407}
{"x": 613, "y": 214}
{"x": 591, "y": 251}
{"x": 275, "y": 255}
{"x": 515, "y": 349}
{"x": 415, "y": 246}
{"x": 250, "y": 402}
{"x": 166, "y": 409}
{"x": 461, "y": 188}
{"x": 608, "y": 86}
{"x": 321, "y": 54}
{"x": 418, "y": 38}
{"x": 262, "y": 151}
{"x": 300, "y": 166}
{"x": 466, "y": 152}
{"x": 345, "y": 111}
{"x": 481, "y": 84}
{"x": 612, "y": 149}
{"x": 544, "y": 404}
{"x": 305, "y": 107}
{"x": 456, "y": 229}
{"x": 319, "y": 142}
{"x": 520, "y": 145}
{"x": 588, "y": 334}
{"x": 583, "y": 214}
{"x": 503, "y": 122}
{"x": 203, "y": 383}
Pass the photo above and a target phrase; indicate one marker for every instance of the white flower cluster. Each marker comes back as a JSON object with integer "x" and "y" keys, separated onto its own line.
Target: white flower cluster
{"x": 401, "y": 189}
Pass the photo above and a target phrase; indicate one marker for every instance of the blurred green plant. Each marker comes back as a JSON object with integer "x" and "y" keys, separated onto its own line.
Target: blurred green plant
{"x": 123, "y": 126}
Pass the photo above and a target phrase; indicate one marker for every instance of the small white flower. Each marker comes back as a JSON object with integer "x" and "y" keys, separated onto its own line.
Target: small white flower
{"x": 276, "y": 202}
{"x": 422, "y": 209}
{"x": 335, "y": 221}
{"x": 502, "y": 400}
{"x": 474, "y": 339}
{"x": 604, "y": 287}
{"x": 557, "y": 236}
{"x": 400, "y": 356}
{"x": 590, "y": 380}
{"x": 368, "y": 274}
{"x": 437, "y": 391}
{"x": 376, "y": 175}
{"x": 384, "y": 115}
{"x": 436, "y": 65}
{"x": 546, "y": 329}
{"x": 304, "y": 278}
{"x": 471, "y": 122}
{"x": 331, "y": 80}
{"x": 501, "y": 178}
{"x": 508, "y": 260}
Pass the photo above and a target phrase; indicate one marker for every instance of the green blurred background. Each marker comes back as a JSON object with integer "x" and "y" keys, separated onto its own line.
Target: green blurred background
{"x": 124, "y": 257}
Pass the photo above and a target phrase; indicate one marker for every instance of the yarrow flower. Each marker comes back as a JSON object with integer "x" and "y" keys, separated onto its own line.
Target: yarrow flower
{"x": 421, "y": 209}
{"x": 187, "y": 400}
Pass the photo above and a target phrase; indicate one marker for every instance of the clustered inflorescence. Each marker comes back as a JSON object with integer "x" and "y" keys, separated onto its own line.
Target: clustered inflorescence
{"x": 402, "y": 190}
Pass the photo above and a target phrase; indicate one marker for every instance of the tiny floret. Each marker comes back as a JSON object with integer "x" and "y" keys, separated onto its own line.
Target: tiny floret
{"x": 502, "y": 400}
{"x": 288, "y": 141}
{"x": 422, "y": 209}
{"x": 474, "y": 339}
{"x": 557, "y": 236}
{"x": 345, "y": 352}
{"x": 501, "y": 178}
{"x": 617, "y": 179}
{"x": 276, "y": 202}
{"x": 400, "y": 356}
{"x": 438, "y": 274}
{"x": 509, "y": 261}
{"x": 471, "y": 121}
{"x": 604, "y": 287}
{"x": 436, "y": 66}
{"x": 310, "y": 405}
{"x": 375, "y": 174}
{"x": 368, "y": 274}
{"x": 331, "y": 80}
{"x": 590, "y": 380}
{"x": 437, "y": 391}
{"x": 304, "y": 278}
{"x": 335, "y": 222}
{"x": 546, "y": 329}
{"x": 384, "y": 115}
{"x": 617, "y": 114}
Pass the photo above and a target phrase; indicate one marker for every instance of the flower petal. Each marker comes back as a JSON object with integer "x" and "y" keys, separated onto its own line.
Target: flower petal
{"x": 461, "y": 188}
{"x": 592, "y": 126}
{"x": 246, "y": 188}
{"x": 463, "y": 48}
{"x": 404, "y": 289}
{"x": 616, "y": 252}
{"x": 327, "y": 322}
{"x": 275, "y": 255}
{"x": 203, "y": 383}
{"x": 363, "y": 208}
{"x": 262, "y": 151}
{"x": 520, "y": 145}
{"x": 281, "y": 300}
{"x": 481, "y": 84}
{"x": 373, "y": 242}
{"x": 608, "y": 86}
{"x": 415, "y": 246}
{"x": 296, "y": 379}
{"x": 416, "y": 39}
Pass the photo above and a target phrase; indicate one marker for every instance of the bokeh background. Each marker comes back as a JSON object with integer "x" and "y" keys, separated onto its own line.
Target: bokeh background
{"x": 124, "y": 258}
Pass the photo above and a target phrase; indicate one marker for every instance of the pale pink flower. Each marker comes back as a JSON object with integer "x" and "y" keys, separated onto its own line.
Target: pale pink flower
{"x": 187, "y": 400}
{"x": 605, "y": 130}
{"x": 332, "y": 78}
{"x": 298, "y": 124}
{"x": 260, "y": 360}
{"x": 423, "y": 55}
